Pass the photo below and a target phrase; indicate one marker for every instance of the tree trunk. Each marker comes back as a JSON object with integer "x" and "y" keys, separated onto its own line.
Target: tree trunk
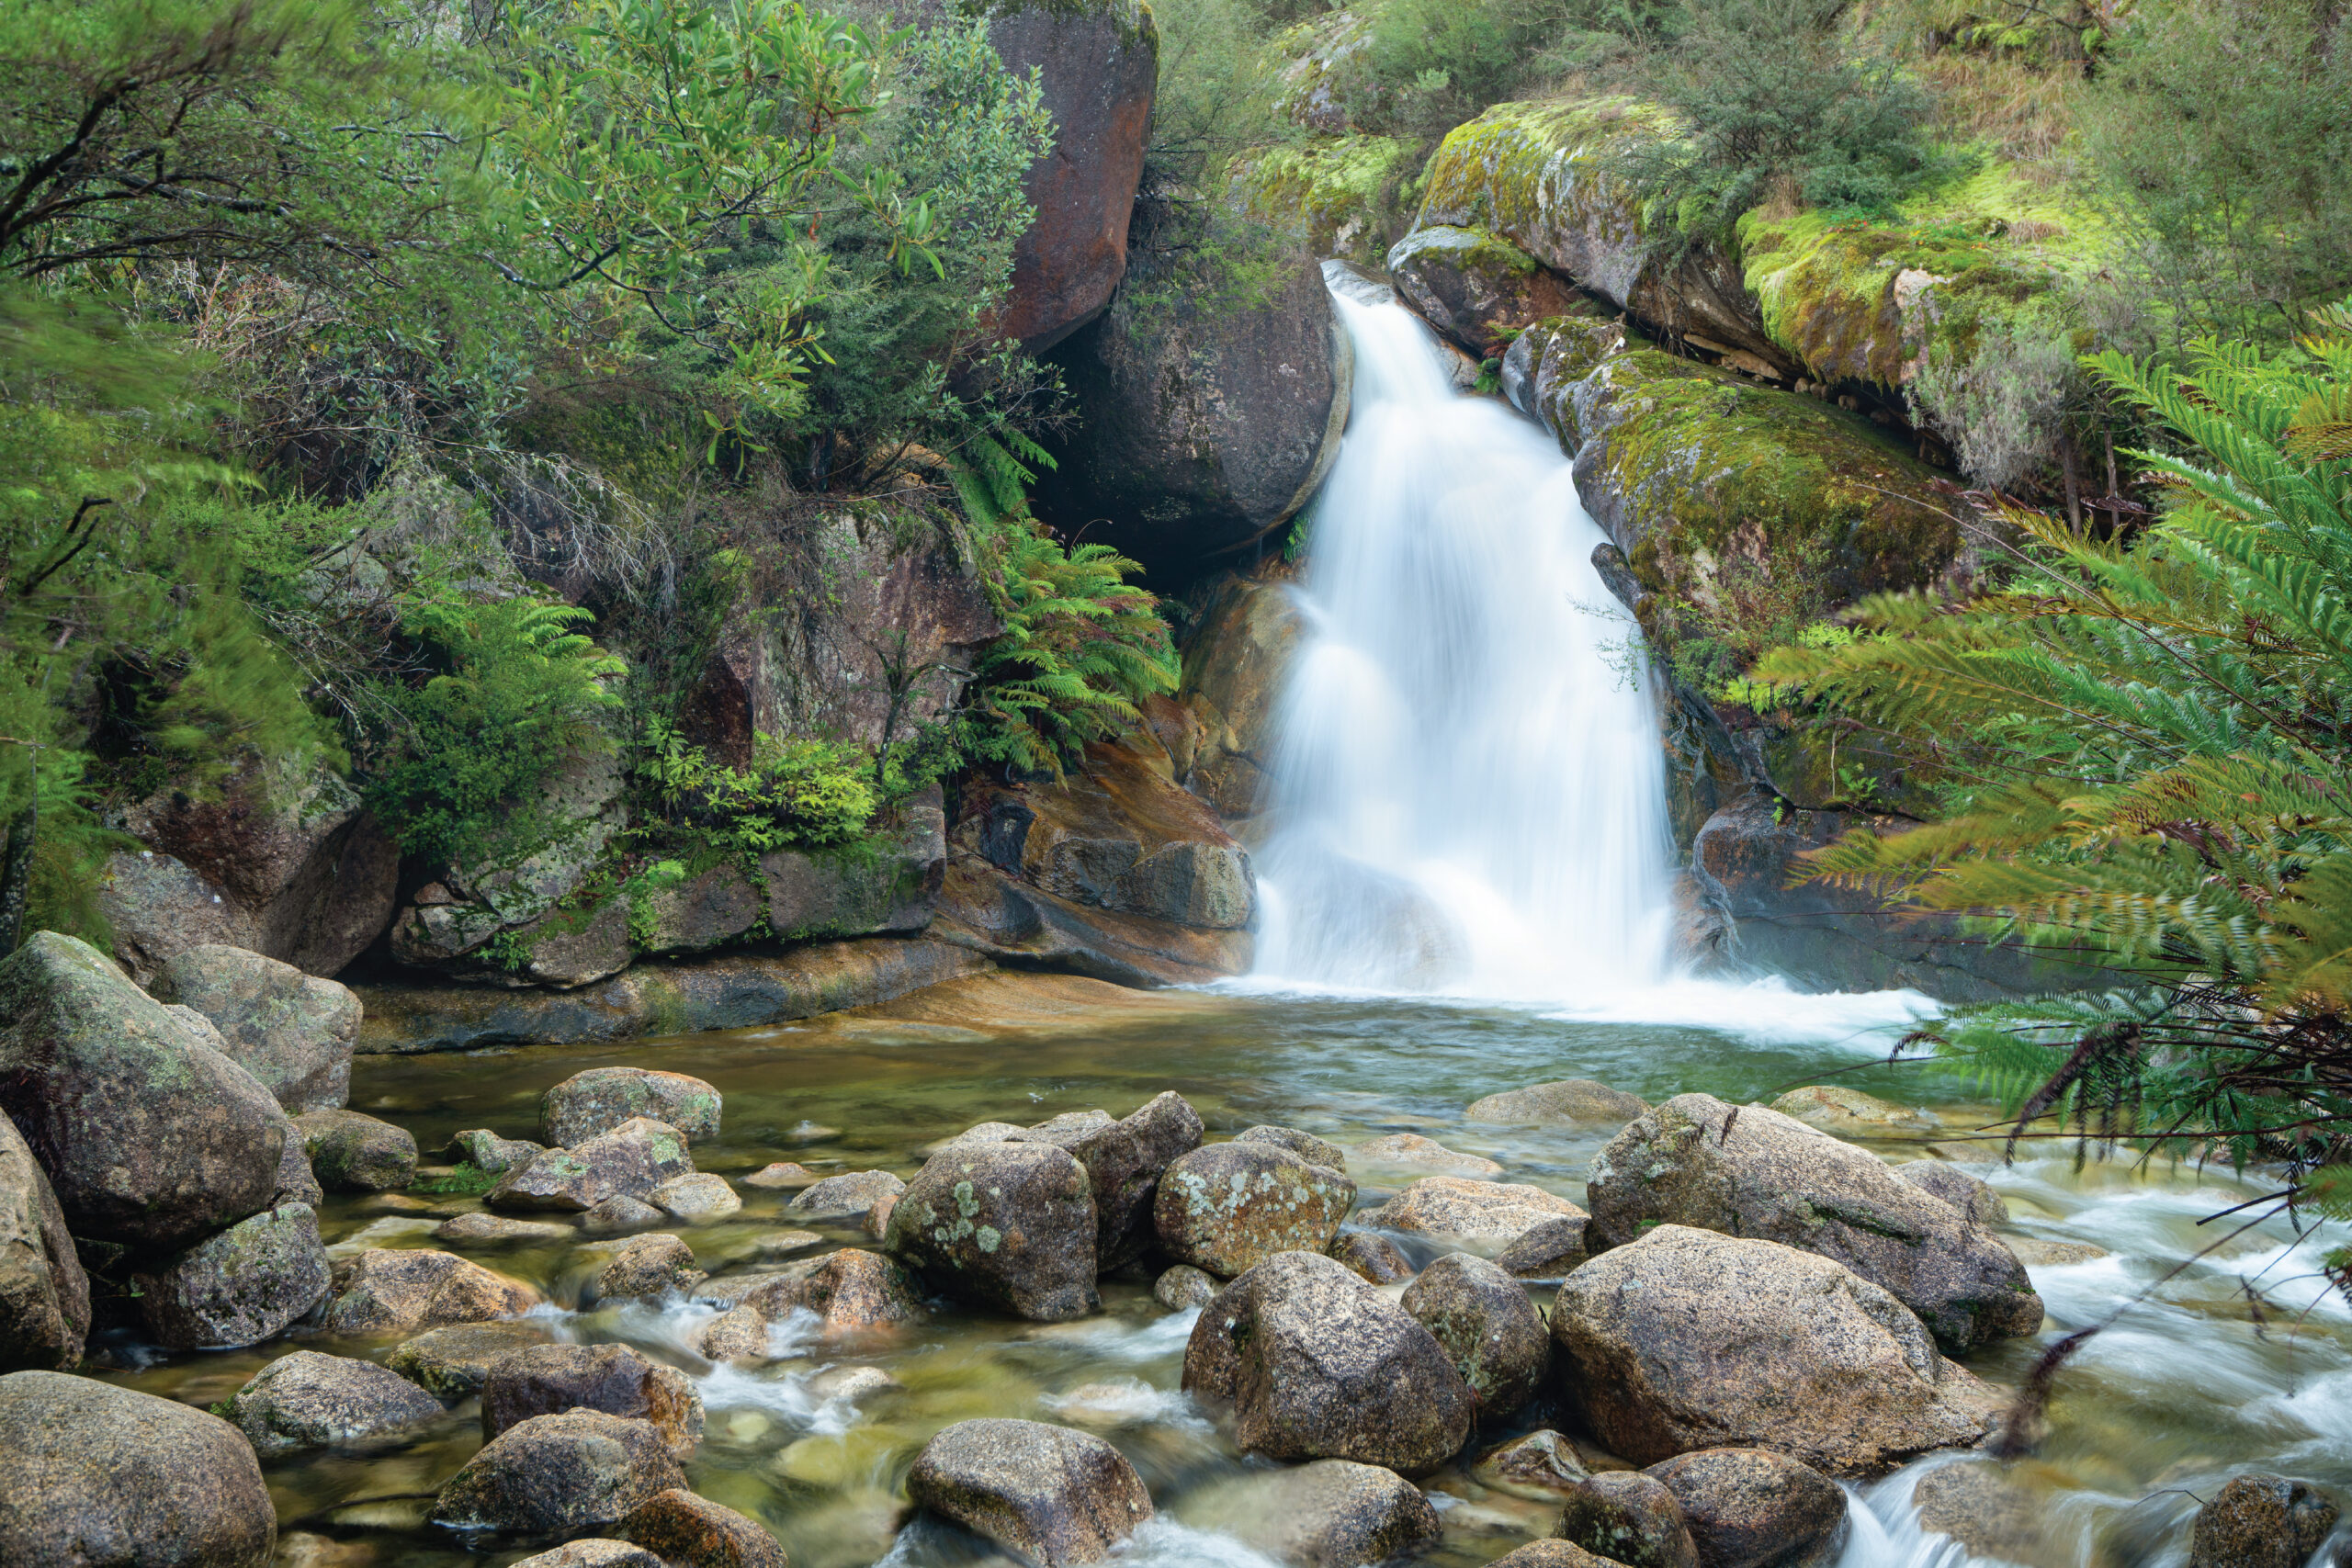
{"x": 16, "y": 874}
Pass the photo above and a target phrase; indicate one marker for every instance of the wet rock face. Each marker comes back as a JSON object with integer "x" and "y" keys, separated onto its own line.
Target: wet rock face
{"x": 559, "y": 1475}
{"x": 350, "y": 1153}
{"x": 1459, "y": 1208}
{"x": 629, "y": 1161}
{"x": 1749, "y": 1508}
{"x": 1475, "y": 288}
{"x": 148, "y": 1137}
{"x": 847, "y": 1197}
{"x": 646, "y": 1266}
{"x": 1372, "y": 1258}
{"x": 1571, "y": 1102}
{"x": 1318, "y": 1365}
{"x": 385, "y": 1291}
{"x": 1489, "y": 1327}
{"x": 292, "y": 1032}
{"x": 1235, "y": 659}
{"x": 1805, "y": 1357}
{"x": 44, "y": 1295}
{"x": 1047, "y": 1494}
{"x": 1228, "y": 1207}
{"x": 1754, "y": 1172}
{"x": 92, "y": 1474}
{"x": 1009, "y": 1224}
{"x": 1972, "y": 1195}
{"x": 451, "y": 1364}
{"x": 1331, "y": 1514}
{"x": 1125, "y": 1160}
{"x": 686, "y": 1532}
{"x": 1628, "y": 1518}
{"x": 547, "y": 1379}
{"x": 588, "y": 1104}
{"x": 248, "y": 1283}
{"x": 2261, "y": 1521}
{"x": 310, "y": 1401}
{"x": 1548, "y": 1251}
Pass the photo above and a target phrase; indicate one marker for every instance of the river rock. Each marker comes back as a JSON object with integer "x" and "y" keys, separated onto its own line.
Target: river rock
{"x": 852, "y": 1292}
{"x": 1488, "y": 1324}
{"x": 1048, "y": 1495}
{"x": 293, "y": 1032}
{"x": 1371, "y": 1257}
{"x": 1627, "y": 1517}
{"x": 352, "y": 1153}
{"x": 1011, "y": 1224}
{"x": 1972, "y": 1195}
{"x": 619, "y": 1212}
{"x": 1236, "y": 664}
{"x": 92, "y": 1474}
{"x": 1182, "y": 1287}
{"x": 310, "y": 1401}
{"x": 248, "y": 1283}
{"x": 1804, "y": 1357}
{"x": 296, "y": 1183}
{"x": 593, "y": 1551}
{"x": 1540, "y": 1465}
{"x": 1548, "y": 1251}
{"x": 1694, "y": 1161}
{"x": 384, "y": 1291}
{"x": 148, "y": 1137}
{"x": 44, "y": 1295}
{"x": 1411, "y": 1148}
{"x": 699, "y": 1199}
{"x": 485, "y": 1150}
{"x": 1124, "y": 1161}
{"x": 688, "y": 1531}
{"x": 1333, "y": 1513}
{"x": 1749, "y": 1507}
{"x": 587, "y": 1105}
{"x": 847, "y": 1197}
{"x": 547, "y": 1379}
{"x": 628, "y": 1161}
{"x": 1546, "y": 1554}
{"x": 1982, "y": 1506}
{"x": 1320, "y": 1365}
{"x": 495, "y": 1230}
{"x": 559, "y": 1475}
{"x": 1228, "y": 1207}
{"x": 1833, "y": 1107}
{"x": 1305, "y": 1145}
{"x": 2261, "y": 1521}
{"x": 783, "y": 1176}
{"x": 1461, "y": 1209}
{"x": 1570, "y": 1102}
{"x": 657, "y": 1265}
{"x": 1475, "y": 288}
{"x": 451, "y": 1364}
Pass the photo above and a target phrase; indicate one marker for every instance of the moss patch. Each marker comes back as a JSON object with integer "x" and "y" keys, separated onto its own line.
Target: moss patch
{"x": 1346, "y": 194}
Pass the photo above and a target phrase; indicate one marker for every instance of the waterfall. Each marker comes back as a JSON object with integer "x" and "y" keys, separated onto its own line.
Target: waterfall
{"x": 1470, "y": 793}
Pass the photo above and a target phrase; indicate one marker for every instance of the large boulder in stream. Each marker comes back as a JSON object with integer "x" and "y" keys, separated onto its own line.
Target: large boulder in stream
{"x": 1749, "y": 1171}
{"x": 149, "y": 1137}
{"x": 1487, "y": 1324}
{"x": 1751, "y": 1509}
{"x": 2261, "y": 1521}
{"x": 248, "y": 1283}
{"x": 1317, "y": 1364}
{"x": 1688, "y": 1340}
{"x": 547, "y": 1379}
{"x": 559, "y": 1475}
{"x": 629, "y": 1161}
{"x": 1047, "y": 1494}
{"x": 1011, "y": 1225}
{"x": 1124, "y": 1161}
{"x": 96, "y": 1476}
{"x": 1475, "y": 287}
{"x": 589, "y": 1104}
{"x": 389, "y": 1290}
{"x": 291, "y": 1031}
{"x": 1228, "y": 1207}
{"x": 352, "y": 1153}
{"x": 45, "y": 1295}
{"x": 1332, "y": 1513}
{"x": 310, "y": 1401}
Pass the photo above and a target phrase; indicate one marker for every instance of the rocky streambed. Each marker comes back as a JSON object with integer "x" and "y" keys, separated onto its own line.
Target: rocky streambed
{"x": 1035, "y": 1269}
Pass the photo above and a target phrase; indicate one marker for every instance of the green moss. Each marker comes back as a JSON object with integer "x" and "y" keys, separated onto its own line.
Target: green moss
{"x": 1519, "y": 168}
{"x": 1343, "y": 193}
{"x": 465, "y": 1181}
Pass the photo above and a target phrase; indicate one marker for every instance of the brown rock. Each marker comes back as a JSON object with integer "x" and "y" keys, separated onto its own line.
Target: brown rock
{"x": 852, "y": 1292}
{"x": 1459, "y": 1208}
{"x": 2261, "y": 1521}
{"x": 1548, "y": 1251}
{"x": 383, "y": 1292}
{"x": 1228, "y": 1207}
{"x": 291, "y": 1031}
{"x": 1539, "y": 1465}
{"x": 559, "y": 1475}
{"x": 490, "y": 1230}
{"x": 655, "y": 1265}
{"x": 1748, "y": 1508}
{"x": 1628, "y": 1518}
{"x": 451, "y": 1364}
{"x": 1048, "y": 1495}
{"x": 248, "y": 1283}
{"x": 1234, "y": 669}
{"x": 1550, "y": 1554}
{"x": 1972, "y": 1195}
{"x": 485, "y": 1150}
{"x": 1571, "y": 1102}
{"x": 352, "y": 1153}
{"x": 1009, "y": 1224}
{"x": 592, "y": 1552}
{"x": 1475, "y": 289}
{"x": 847, "y": 1197}
{"x": 1833, "y": 1107}
{"x": 1305, "y": 1145}
{"x": 619, "y": 1212}
{"x": 45, "y": 1295}
{"x": 1489, "y": 1327}
{"x": 784, "y": 1176}
{"x": 699, "y": 1199}
{"x": 1124, "y": 1161}
{"x": 1371, "y": 1257}
{"x": 308, "y": 1401}
{"x": 688, "y": 1531}
{"x": 547, "y": 1379}
{"x": 589, "y": 1104}
{"x": 629, "y": 1161}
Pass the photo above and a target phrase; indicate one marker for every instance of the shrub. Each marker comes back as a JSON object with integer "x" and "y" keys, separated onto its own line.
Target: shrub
{"x": 1998, "y": 408}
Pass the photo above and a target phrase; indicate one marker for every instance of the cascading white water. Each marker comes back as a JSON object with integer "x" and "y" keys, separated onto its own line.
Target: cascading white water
{"x": 1470, "y": 797}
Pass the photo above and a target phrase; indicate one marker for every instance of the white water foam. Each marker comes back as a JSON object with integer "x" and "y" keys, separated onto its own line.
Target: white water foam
{"x": 1472, "y": 797}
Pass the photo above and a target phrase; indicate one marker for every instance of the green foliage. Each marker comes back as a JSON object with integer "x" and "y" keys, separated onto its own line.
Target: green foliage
{"x": 797, "y": 794}
{"x": 466, "y": 1180}
{"x": 520, "y": 696}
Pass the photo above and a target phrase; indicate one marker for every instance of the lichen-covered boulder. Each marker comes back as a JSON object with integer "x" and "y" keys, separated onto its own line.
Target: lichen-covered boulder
{"x": 148, "y": 1137}
{"x": 293, "y": 1032}
{"x": 1461, "y": 1209}
{"x": 92, "y": 1474}
{"x": 310, "y": 1401}
{"x": 629, "y": 1161}
{"x": 1317, "y": 1364}
{"x": 588, "y": 1104}
{"x": 1047, "y": 1494}
{"x": 1627, "y": 1517}
{"x": 44, "y": 1295}
{"x": 386, "y": 1291}
{"x": 1227, "y": 1207}
{"x": 452, "y": 1363}
{"x": 698, "y": 1199}
{"x": 1489, "y": 1326}
{"x": 485, "y": 1150}
{"x": 545, "y": 1380}
{"x": 559, "y": 1475}
{"x": 655, "y": 1265}
{"x": 2261, "y": 1521}
{"x": 850, "y": 1196}
{"x": 352, "y": 1153}
{"x": 1332, "y": 1513}
{"x": 1750, "y": 1508}
{"x": 1475, "y": 287}
{"x": 1570, "y": 1102}
{"x": 1753, "y": 1172}
{"x": 1008, "y": 1224}
{"x": 686, "y": 1532}
{"x": 1125, "y": 1160}
{"x": 245, "y": 1284}
{"x": 1305, "y": 1145}
{"x": 1660, "y": 1355}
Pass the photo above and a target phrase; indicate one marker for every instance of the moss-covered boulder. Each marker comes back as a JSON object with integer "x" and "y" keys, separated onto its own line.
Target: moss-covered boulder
{"x": 1475, "y": 288}
{"x": 1537, "y": 175}
{"x": 1348, "y": 195}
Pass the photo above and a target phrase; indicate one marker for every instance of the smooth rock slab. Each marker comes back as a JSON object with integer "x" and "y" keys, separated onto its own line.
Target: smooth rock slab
{"x": 1461, "y": 1209}
{"x": 629, "y": 1161}
{"x": 547, "y": 1379}
{"x": 400, "y": 1291}
{"x": 352, "y": 1153}
{"x": 688, "y": 1531}
{"x": 249, "y": 1283}
{"x": 293, "y": 1032}
{"x": 1009, "y": 1224}
{"x": 589, "y": 1104}
{"x": 559, "y": 1475}
{"x": 1317, "y": 1364}
{"x": 1412, "y": 1149}
{"x": 96, "y": 1476}
{"x": 310, "y": 1401}
{"x": 451, "y": 1364}
{"x": 1045, "y": 1494}
{"x": 1570, "y": 1102}
{"x": 1749, "y": 1508}
{"x": 1228, "y": 1207}
{"x": 1489, "y": 1326}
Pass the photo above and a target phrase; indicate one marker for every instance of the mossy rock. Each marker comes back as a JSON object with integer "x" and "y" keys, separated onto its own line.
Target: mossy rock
{"x": 1349, "y": 197}
{"x": 1475, "y": 287}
